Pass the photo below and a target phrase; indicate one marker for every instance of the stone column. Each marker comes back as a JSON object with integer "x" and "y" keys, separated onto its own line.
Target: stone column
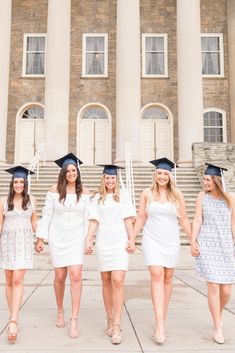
{"x": 128, "y": 78}
{"x": 231, "y": 61}
{"x": 57, "y": 78}
{"x": 189, "y": 73}
{"x": 5, "y": 40}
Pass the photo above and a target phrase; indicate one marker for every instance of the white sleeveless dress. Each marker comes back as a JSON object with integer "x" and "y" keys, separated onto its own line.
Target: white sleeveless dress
{"x": 161, "y": 243}
{"x": 16, "y": 241}
{"x": 64, "y": 225}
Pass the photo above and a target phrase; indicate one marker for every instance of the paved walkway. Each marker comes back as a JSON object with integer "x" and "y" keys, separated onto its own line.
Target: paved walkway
{"x": 188, "y": 326}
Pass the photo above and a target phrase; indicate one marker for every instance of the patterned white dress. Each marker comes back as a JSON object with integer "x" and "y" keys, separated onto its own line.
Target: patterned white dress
{"x": 16, "y": 242}
{"x": 216, "y": 262}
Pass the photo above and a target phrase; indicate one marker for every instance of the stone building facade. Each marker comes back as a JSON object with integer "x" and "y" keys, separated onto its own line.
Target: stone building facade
{"x": 87, "y": 76}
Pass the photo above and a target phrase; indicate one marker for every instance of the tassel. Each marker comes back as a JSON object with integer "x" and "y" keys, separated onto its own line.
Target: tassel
{"x": 223, "y": 180}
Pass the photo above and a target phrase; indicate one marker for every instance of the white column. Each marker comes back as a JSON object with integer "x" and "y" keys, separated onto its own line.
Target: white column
{"x": 128, "y": 78}
{"x": 231, "y": 61}
{"x": 5, "y": 39}
{"x": 189, "y": 73}
{"x": 57, "y": 78}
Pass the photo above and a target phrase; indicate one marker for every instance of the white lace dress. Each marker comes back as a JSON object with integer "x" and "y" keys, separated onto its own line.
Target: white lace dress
{"x": 64, "y": 225}
{"x": 216, "y": 262}
{"x": 16, "y": 242}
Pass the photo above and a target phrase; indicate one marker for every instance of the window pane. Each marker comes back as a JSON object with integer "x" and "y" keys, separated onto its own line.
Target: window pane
{"x": 154, "y": 44}
{"x": 35, "y": 44}
{"x": 94, "y": 64}
{"x": 210, "y": 63}
{"x": 154, "y": 63}
{"x": 94, "y": 43}
{"x": 35, "y": 64}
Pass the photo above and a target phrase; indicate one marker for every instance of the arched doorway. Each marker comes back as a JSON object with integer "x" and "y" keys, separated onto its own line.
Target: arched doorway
{"x": 156, "y": 131}
{"x": 29, "y": 132}
{"x": 94, "y": 134}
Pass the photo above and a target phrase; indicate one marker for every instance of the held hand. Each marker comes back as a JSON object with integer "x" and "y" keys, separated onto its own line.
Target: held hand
{"x": 89, "y": 247}
{"x": 39, "y": 245}
{"x": 130, "y": 247}
{"x": 195, "y": 249}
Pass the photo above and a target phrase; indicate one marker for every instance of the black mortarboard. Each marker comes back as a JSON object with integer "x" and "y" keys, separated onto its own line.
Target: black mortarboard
{"x": 110, "y": 169}
{"x": 213, "y": 170}
{"x": 19, "y": 172}
{"x": 69, "y": 158}
{"x": 163, "y": 163}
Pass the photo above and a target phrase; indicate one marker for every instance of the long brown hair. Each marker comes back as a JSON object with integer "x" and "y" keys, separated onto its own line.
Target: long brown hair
{"x": 62, "y": 183}
{"x": 172, "y": 194}
{"x": 11, "y": 195}
{"x": 219, "y": 188}
{"x": 103, "y": 193}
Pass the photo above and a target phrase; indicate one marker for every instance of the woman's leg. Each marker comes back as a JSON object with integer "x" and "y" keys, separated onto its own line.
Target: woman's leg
{"x": 107, "y": 294}
{"x": 168, "y": 275}
{"x": 214, "y": 302}
{"x": 9, "y": 290}
{"x": 59, "y": 288}
{"x": 214, "y": 306}
{"x": 75, "y": 275}
{"x": 157, "y": 274}
{"x": 117, "y": 278}
{"x": 225, "y": 293}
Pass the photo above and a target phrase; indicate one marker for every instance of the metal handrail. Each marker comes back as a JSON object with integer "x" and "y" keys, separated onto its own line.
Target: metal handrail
{"x": 129, "y": 172}
{"x": 34, "y": 164}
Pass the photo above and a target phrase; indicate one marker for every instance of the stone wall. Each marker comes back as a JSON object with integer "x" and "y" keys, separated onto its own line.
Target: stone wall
{"x": 28, "y": 16}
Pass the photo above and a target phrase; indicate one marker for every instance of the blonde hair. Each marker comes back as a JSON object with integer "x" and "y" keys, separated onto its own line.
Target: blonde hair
{"x": 103, "y": 192}
{"x": 172, "y": 193}
{"x": 219, "y": 188}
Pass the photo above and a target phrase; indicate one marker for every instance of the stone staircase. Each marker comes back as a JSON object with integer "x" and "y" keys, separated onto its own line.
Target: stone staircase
{"x": 187, "y": 182}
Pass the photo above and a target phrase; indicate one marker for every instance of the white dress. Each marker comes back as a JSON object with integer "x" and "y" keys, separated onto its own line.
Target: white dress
{"x": 161, "y": 243}
{"x": 16, "y": 241}
{"x": 111, "y": 236}
{"x": 64, "y": 225}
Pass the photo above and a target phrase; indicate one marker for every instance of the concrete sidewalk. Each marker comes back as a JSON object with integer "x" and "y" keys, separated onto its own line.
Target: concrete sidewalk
{"x": 189, "y": 327}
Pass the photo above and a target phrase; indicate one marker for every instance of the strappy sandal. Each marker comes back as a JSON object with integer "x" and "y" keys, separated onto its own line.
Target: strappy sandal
{"x": 117, "y": 334}
{"x": 109, "y": 329}
{"x": 159, "y": 336}
{"x": 12, "y": 334}
{"x": 73, "y": 331}
{"x": 60, "y": 318}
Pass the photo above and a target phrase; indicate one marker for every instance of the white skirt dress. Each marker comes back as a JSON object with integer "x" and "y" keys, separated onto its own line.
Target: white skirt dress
{"x": 64, "y": 225}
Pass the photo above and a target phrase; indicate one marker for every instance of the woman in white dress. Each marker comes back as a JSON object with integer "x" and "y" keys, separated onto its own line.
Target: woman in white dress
{"x": 17, "y": 223}
{"x": 161, "y": 210}
{"x": 110, "y": 217}
{"x": 212, "y": 244}
{"x": 63, "y": 225}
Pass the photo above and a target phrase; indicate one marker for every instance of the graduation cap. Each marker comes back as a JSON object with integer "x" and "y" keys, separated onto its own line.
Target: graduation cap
{"x": 21, "y": 172}
{"x": 110, "y": 169}
{"x": 214, "y": 170}
{"x": 165, "y": 163}
{"x": 69, "y": 158}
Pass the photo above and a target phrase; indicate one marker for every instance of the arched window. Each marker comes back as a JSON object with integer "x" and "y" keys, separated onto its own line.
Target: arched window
{"x": 214, "y": 126}
{"x": 94, "y": 113}
{"x": 154, "y": 113}
{"x": 34, "y": 112}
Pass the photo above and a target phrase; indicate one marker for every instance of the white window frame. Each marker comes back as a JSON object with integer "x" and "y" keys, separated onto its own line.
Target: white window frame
{"x": 165, "y": 39}
{"x": 26, "y": 35}
{"x": 86, "y": 35}
{"x": 224, "y": 124}
{"x": 221, "y": 52}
